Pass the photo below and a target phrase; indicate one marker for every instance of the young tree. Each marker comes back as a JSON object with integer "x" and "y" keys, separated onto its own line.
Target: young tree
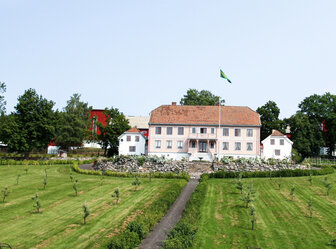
{"x": 310, "y": 179}
{"x": 37, "y": 203}
{"x": 203, "y": 97}
{"x": 136, "y": 182}
{"x": 18, "y": 179}
{"x": 71, "y": 177}
{"x": 116, "y": 195}
{"x": 310, "y": 207}
{"x": 2, "y": 98}
{"x": 74, "y": 123}
{"x": 45, "y": 182}
{"x": 31, "y": 126}
{"x": 327, "y": 185}
{"x": 86, "y": 212}
{"x": 150, "y": 175}
{"x": 269, "y": 117}
{"x": 75, "y": 187}
{"x": 279, "y": 183}
{"x": 5, "y": 193}
{"x": 249, "y": 196}
{"x": 116, "y": 124}
{"x": 26, "y": 170}
{"x": 101, "y": 180}
{"x": 292, "y": 192}
{"x": 253, "y": 217}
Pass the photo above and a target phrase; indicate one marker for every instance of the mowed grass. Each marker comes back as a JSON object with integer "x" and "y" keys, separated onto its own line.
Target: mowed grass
{"x": 281, "y": 223}
{"x": 60, "y": 223}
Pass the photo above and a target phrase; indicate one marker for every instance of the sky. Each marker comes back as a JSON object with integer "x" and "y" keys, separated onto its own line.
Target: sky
{"x": 138, "y": 55}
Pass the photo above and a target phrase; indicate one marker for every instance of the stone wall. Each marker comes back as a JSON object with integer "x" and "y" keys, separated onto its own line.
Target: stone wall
{"x": 129, "y": 165}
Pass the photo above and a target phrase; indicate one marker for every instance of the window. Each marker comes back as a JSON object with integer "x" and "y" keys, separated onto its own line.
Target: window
{"x": 272, "y": 142}
{"x": 249, "y": 132}
{"x": 180, "y": 130}
{"x": 158, "y": 144}
{"x": 249, "y": 146}
{"x": 237, "y": 146}
{"x": 180, "y": 144}
{"x": 94, "y": 125}
{"x": 132, "y": 149}
{"x": 212, "y": 145}
{"x": 282, "y": 141}
{"x": 169, "y": 144}
{"x": 193, "y": 130}
{"x": 212, "y": 130}
{"x": 237, "y": 132}
{"x": 193, "y": 144}
{"x": 128, "y": 138}
{"x": 137, "y": 138}
{"x": 226, "y": 132}
{"x": 225, "y": 145}
{"x": 203, "y": 130}
{"x": 169, "y": 130}
{"x": 158, "y": 130}
{"x": 277, "y": 152}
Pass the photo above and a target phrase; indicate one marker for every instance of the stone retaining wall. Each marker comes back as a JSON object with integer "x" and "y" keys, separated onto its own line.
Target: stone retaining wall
{"x": 128, "y": 165}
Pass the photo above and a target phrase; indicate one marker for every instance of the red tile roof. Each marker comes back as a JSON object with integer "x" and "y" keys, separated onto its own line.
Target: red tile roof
{"x": 204, "y": 115}
{"x": 276, "y": 133}
{"x": 134, "y": 130}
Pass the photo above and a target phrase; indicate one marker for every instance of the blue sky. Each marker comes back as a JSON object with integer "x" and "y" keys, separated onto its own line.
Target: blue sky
{"x": 138, "y": 55}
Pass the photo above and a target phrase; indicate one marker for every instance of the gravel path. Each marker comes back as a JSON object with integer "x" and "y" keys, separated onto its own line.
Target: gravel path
{"x": 86, "y": 166}
{"x": 161, "y": 230}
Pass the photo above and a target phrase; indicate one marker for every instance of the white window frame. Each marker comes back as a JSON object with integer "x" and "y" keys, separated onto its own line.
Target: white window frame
{"x": 276, "y": 154}
{"x": 193, "y": 130}
{"x": 128, "y": 138}
{"x": 169, "y": 144}
{"x": 238, "y": 146}
{"x": 179, "y": 129}
{"x": 249, "y": 132}
{"x": 129, "y": 148}
{"x": 249, "y": 146}
{"x": 272, "y": 142}
{"x": 212, "y": 130}
{"x": 224, "y": 132}
{"x": 180, "y": 144}
{"x": 157, "y": 129}
{"x": 169, "y": 128}
{"x": 137, "y": 138}
{"x": 282, "y": 141}
{"x": 239, "y": 132}
{"x": 158, "y": 144}
{"x": 226, "y": 145}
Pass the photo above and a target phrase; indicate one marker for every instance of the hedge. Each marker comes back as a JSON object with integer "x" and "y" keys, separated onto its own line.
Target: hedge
{"x": 42, "y": 162}
{"x": 138, "y": 229}
{"x": 183, "y": 234}
{"x": 284, "y": 173}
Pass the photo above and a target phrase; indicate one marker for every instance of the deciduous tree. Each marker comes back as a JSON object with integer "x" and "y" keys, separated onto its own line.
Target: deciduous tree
{"x": 203, "y": 97}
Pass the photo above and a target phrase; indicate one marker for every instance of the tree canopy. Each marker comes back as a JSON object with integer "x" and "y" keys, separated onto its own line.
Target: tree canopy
{"x": 2, "y": 98}
{"x": 31, "y": 126}
{"x": 116, "y": 124}
{"x": 203, "y": 97}
{"x": 73, "y": 125}
{"x": 269, "y": 117}
{"x": 321, "y": 110}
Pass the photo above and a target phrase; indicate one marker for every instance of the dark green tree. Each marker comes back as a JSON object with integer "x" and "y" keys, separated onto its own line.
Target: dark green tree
{"x": 321, "y": 109}
{"x": 2, "y": 98}
{"x": 269, "y": 117}
{"x": 37, "y": 203}
{"x": 306, "y": 135}
{"x": 86, "y": 212}
{"x": 73, "y": 125}
{"x": 203, "y": 97}
{"x": 116, "y": 124}
{"x": 31, "y": 126}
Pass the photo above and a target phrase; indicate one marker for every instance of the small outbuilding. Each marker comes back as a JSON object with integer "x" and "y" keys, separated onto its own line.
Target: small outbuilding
{"x": 277, "y": 146}
{"x": 132, "y": 142}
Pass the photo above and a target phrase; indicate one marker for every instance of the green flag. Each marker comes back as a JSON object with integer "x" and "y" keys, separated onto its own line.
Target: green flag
{"x": 222, "y": 74}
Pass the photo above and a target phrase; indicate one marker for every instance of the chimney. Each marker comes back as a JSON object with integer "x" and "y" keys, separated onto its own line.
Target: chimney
{"x": 173, "y": 103}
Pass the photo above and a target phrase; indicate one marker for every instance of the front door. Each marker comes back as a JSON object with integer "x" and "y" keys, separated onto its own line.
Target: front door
{"x": 202, "y": 146}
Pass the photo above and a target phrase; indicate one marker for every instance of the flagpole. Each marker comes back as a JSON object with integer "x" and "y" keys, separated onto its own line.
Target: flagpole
{"x": 218, "y": 134}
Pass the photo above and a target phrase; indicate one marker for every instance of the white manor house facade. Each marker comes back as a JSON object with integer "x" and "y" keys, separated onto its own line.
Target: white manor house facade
{"x": 194, "y": 132}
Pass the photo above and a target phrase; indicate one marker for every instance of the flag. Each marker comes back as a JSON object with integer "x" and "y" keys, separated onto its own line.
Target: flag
{"x": 222, "y": 74}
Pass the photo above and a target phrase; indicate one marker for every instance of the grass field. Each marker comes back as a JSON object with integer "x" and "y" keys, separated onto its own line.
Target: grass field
{"x": 281, "y": 223}
{"x": 60, "y": 223}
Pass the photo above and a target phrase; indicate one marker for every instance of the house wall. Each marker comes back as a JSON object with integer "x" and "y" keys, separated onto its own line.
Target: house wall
{"x": 269, "y": 149}
{"x": 207, "y": 137}
{"x": 124, "y": 144}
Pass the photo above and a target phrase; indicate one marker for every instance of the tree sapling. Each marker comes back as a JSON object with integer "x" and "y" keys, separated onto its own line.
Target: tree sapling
{"x": 292, "y": 192}
{"x": 136, "y": 183}
{"x": 45, "y": 182}
{"x": 37, "y": 203}
{"x": 253, "y": 217}
{"x": 5, "y": 193}
{"x": 116, "y": 195}
{"x": 310, "y": 207}
{"x": 75, "y": 187}
{"x": 86, "y": 212}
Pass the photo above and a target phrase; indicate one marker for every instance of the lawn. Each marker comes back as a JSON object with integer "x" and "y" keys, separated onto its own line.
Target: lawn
{"x": 60, "y": 223}
{"x": 281, "y": 223}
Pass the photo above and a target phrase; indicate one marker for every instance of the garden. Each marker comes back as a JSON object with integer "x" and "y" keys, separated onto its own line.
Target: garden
{"x": 52, "y": 206}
